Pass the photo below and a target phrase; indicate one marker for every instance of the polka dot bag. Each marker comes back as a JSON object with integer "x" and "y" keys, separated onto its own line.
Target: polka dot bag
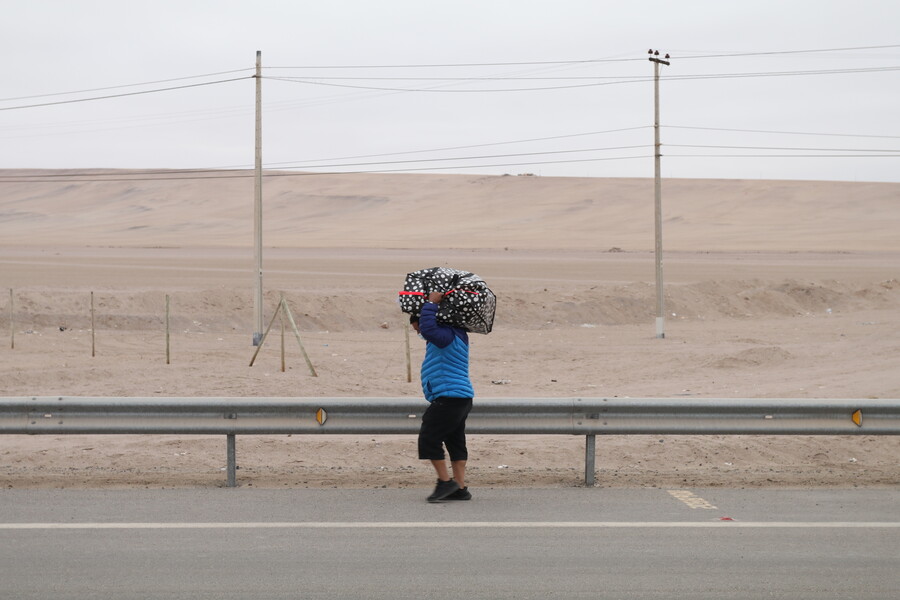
{"x": 468, "y": 302}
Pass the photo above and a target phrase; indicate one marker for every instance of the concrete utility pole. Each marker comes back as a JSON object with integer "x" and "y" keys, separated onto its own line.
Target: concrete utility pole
{"x": 257, "y": 211}
{"x": 660, "y": 303}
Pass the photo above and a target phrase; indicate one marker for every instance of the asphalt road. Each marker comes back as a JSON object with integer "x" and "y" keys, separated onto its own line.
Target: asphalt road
{"x": 506, "y": 543}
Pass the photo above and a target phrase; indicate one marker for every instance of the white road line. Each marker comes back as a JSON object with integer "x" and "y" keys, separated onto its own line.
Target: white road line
{"x": 470, "y": 524}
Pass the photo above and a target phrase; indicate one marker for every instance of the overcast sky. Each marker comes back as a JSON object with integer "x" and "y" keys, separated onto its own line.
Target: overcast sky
{"x": 550, "y": 87}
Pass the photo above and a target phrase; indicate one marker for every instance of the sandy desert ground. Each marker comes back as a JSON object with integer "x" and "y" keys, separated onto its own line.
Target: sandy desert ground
{"x": 773, "y": 289}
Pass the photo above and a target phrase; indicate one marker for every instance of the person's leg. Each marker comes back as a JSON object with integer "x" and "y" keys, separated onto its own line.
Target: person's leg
{"x": 443, "y": 423}
{"x": 436, "y": 420}
{"x": 459, "y": 471}
{"x": 440, "y": 466}
{"x": 430, "y": 435}
{"x": 456, "y": 445}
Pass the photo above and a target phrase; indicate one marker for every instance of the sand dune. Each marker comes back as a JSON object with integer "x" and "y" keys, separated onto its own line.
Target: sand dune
{"x": 447, "y": 211}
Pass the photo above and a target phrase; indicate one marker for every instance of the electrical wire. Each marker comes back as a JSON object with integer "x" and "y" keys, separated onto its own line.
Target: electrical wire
{"x": 480, "y": 78}
{"x": 363, "y": 95}
{"x": 21, "y": 131}
{"x": 407, "y": 152}
{"x": 157, "y": 174}
{"x": 247, "y": 175}
{"x": 618, "y": 80}
{"x": 483, "y": 157}
{"x": 116, "y": 87}
{"x": 615, "y": 78}
{"x": 782, "y": 52}
{"x": 437, "y": 90}
{"x": 457, "y": 65}
{"x": 781, "y": 148}
{"x": 168, "y": 89}
{"x": 118, "y": 172}
{"x": 781, "y": 155}
{"x": 779, "y": 73}
{"x": 444, "y": 168}
{"x": 220, "y": 173}
{"x": 308, "y": 174}
{"x": 588, "y": 61}
{"x": 858, "y": 135}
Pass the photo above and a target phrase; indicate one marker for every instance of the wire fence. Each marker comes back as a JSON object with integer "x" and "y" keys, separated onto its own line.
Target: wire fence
{"x": 149, "y": 317}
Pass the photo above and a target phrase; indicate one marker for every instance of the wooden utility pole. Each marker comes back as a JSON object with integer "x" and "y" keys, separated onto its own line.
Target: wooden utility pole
{"x": 257, "y": 211}
{"x": 660, "y": 303}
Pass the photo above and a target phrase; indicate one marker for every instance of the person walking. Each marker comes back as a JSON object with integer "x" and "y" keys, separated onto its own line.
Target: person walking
{"x": 448, "y": 389}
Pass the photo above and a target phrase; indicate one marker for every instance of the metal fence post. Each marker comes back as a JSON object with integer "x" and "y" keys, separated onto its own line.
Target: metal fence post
{"x": 590, "y": 456}
{"x": 232, "y": 461}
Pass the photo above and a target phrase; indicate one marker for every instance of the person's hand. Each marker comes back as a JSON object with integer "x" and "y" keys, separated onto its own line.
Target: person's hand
{"x": 435, "y": 297}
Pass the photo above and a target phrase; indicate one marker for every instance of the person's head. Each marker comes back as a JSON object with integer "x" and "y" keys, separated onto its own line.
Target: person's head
{"x": 414, "y": 321}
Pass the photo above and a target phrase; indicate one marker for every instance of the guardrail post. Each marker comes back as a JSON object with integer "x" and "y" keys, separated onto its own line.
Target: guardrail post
{"x": 231, "y": 468}
{"x": 590, "y": 456}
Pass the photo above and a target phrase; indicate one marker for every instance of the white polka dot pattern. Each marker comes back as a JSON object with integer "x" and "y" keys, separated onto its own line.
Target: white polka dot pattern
{"x": 468, "y": 302}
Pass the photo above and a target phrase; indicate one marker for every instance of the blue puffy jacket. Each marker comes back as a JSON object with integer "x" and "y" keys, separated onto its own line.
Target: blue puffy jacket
{"x": 445, "y": 369}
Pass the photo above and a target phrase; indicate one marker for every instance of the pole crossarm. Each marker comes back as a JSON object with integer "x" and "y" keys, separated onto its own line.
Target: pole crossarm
{"x": 525, "y": 416}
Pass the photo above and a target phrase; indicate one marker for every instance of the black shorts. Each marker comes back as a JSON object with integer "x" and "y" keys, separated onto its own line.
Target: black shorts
{"x": 444, "y": 423}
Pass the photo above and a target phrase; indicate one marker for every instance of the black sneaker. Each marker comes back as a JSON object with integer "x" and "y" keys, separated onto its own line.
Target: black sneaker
{"x": 460, "y": 494}
{"x": 442, "y": 490}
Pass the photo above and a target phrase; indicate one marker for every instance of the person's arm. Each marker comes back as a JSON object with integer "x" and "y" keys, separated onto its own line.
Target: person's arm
{"x": 434, "y": 332}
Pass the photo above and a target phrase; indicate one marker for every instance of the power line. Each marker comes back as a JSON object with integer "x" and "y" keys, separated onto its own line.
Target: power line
{"x": 193, "y": 174}
{"x": 620, "y": 80}
{"x": 782, "y": 73}
{"x": 446, "y": 91}
{"x": 355, "y": 172}
{"x": 444, "y": 168}
{"x": 476, "y": 78}
{"x": 25, "y": 178}
{"x": 587, "y": 61}
{"x": 546, "y": 65}
{"x": 168, "y": 89}
{"x": 456, "y": 65}
{"x": 858, "y": 135}
{"x": 118, "y": 172}
{"x": 117, "y": 124}
{"x": 444, "y": 159}
{"x": 782, "y": 52}
{"x": 616, "y": 80}
{"x": 125, "y": 175}
{"x": 208, "y": 175}
{"x": 782, "y": 155}
{"x": 782, "y": 148}
{"x": 116, "y": 87}
{"x": 541, "y": 139}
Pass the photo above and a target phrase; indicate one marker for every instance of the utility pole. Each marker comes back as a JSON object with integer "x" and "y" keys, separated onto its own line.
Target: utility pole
{"x": 257, "y": 210}
{"x": 660, "y": 303}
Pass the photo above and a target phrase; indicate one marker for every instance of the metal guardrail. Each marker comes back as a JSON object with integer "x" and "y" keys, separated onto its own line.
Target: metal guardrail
{"x": 518, "y": 416}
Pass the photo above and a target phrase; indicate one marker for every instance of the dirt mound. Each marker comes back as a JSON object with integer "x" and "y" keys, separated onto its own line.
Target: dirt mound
{"x": 753, "y": 357}
{"x": 224, "y": 310}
